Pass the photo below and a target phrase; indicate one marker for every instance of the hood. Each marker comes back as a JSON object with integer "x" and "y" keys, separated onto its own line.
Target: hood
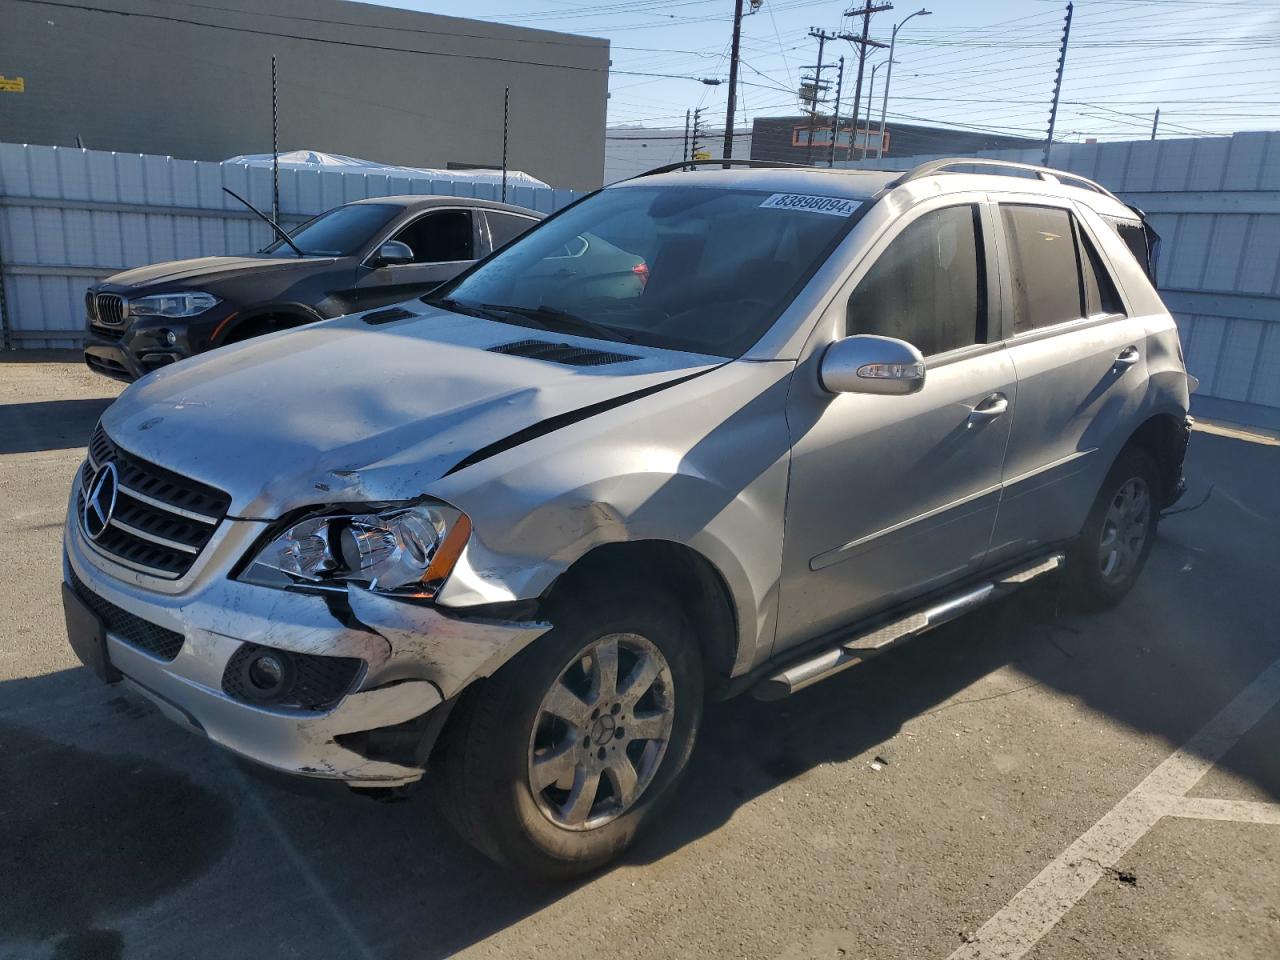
{"x": 203, "y": 270}
{"x": 342, "y": 411}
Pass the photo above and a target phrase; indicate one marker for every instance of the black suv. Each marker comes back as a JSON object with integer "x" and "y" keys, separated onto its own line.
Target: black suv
{"x": 354, "y": 257}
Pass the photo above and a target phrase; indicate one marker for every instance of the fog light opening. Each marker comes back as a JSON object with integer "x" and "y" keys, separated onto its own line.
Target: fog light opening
{"x": 266, "y": 673}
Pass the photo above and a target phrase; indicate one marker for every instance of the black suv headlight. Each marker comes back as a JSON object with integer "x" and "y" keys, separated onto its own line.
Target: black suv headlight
{"x": 172, "y": 305}
{"x": 406, "y": 549}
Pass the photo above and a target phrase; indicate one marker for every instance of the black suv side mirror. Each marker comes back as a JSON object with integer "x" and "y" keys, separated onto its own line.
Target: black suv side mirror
{"x": 391, "y": 253}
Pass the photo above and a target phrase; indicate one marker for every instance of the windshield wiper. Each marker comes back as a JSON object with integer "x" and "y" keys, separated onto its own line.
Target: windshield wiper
{"x": 274, "y": 226}
{"x": 560, "y": 321}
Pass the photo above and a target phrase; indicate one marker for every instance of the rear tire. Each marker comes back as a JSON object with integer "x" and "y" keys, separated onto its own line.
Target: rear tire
{"x": 1108, "y": 557}
{"x": 561, "y": 796}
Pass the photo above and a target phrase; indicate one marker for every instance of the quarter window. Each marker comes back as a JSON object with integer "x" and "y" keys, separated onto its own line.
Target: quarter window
{"x": 929, "y": 286}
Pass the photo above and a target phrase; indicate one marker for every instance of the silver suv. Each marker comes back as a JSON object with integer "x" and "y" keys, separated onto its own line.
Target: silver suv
{"x": 702, "y": 432}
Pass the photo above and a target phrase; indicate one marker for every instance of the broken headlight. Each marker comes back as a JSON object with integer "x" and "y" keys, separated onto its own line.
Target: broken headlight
{"x": 406, "y": 550}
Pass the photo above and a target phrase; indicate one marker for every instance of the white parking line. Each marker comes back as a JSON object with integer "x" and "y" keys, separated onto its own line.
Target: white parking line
{"x": 1044, "y": 901}
{"x": 1235, "y": 811}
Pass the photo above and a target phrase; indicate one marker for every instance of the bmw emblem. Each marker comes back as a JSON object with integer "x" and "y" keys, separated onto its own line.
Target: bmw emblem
{"x": 100, "y": 501}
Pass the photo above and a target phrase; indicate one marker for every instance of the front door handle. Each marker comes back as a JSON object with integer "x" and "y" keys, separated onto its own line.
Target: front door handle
{"x": 990, "y": 408}
{"x": 1128, "y": 357}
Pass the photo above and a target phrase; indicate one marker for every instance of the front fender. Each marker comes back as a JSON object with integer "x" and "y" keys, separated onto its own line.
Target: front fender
{"x": 703, "y": 464}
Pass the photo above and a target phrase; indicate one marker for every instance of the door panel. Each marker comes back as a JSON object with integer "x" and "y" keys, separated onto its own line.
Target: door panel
{"x": 1074, "y": 390}
{"x": 890, "y": 496}
{"x": 1072, "y": 398}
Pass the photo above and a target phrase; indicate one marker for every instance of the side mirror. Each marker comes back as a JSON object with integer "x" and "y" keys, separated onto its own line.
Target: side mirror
{"x": 871, "y": 364}
{"x": 391, "y": 253}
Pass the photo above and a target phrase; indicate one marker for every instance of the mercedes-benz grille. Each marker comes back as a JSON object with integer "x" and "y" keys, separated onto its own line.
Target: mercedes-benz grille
{"x": 161, "y": 520}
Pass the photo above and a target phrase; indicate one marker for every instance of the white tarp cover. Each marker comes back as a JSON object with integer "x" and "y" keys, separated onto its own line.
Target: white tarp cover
{"x": 316, "y": 160}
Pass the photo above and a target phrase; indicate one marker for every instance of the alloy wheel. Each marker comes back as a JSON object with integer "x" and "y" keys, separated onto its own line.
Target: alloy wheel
{"x": 1125, "y": 529}
{"x": 601, "y": 732}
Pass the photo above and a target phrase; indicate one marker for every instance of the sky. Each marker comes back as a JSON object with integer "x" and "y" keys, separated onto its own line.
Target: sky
{"x": 1211, "y": 66}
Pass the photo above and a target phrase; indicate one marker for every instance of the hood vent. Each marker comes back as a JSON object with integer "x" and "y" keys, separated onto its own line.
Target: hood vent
{"x": 560, "y": 353}
{"x": 386, "y": 316}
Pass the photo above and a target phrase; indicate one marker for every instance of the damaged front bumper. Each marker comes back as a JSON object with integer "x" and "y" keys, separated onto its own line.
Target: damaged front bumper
{"x": 415, "y": 658}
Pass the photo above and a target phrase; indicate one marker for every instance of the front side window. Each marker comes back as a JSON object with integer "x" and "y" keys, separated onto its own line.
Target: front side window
{"x": 699, "y": 268}
{"x": 442, "y": 237}
{"x": 340, "y": 232}
{"x": 929, "y": 285}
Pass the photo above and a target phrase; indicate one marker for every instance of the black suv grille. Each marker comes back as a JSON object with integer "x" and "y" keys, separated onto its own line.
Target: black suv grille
{"x": 132, "y": 629}
{"x": 307, "y": 681}
{"x": 560, "y": 353}
{"x": 161, "y": 521}
{"x": 108, "y": 309}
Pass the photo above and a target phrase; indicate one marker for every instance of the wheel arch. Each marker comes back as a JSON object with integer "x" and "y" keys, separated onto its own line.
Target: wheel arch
{"x": 296, "y": 313}
{"x": 1163, "y": 437}
{"x": 676, "y": 568}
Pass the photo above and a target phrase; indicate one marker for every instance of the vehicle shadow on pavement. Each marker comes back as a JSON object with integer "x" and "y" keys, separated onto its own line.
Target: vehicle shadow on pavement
{"x": 117, "y": 822}
{"x": 49, "y": 424}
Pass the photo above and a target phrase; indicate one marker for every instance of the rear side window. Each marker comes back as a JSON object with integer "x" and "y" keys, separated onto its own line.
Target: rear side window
{"x": 1100, "y": 294}
{"x": 1057, "y": 273}
{"x": 505, "y": 227}
{"x": 929, "y": 285}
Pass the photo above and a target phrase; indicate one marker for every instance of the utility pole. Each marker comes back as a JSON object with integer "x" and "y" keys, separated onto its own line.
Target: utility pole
{"x": 1057, "y": 84}
{"x": 821, "y": 36}
{"x": 275, "y": 148}
{"x": 506, "y": 111}
{"x": 835, "y": 115}
{"x": 685, "y": 154}
{"x": 697, "y": 133}
{"x": 863, "y": 42}
{"x": 820, "y": 86}
{"x": 733, "y": 80}
{"x": 1155, "y": 123}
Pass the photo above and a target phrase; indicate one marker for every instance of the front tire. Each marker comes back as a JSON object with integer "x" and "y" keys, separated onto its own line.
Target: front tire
{"x": 1107, "y": 559}
{"x": 553, "y": 765}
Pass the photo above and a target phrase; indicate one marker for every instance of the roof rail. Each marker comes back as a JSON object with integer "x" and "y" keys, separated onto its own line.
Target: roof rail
{"x": 1047, "y": 174}
{"x": 686, "y": 164}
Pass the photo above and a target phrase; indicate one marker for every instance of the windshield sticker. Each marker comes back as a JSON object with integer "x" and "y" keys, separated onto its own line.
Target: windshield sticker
{"x": 835, "y": 206}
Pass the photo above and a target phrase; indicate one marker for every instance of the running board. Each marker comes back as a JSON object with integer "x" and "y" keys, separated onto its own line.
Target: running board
{"x": 863, "y": 646}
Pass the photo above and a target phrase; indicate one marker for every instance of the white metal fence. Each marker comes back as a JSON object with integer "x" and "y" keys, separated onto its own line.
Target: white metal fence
{"x": 69, "y": 217}
{"x": 1216, "y": 203}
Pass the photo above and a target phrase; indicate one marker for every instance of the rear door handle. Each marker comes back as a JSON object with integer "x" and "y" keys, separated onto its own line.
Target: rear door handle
{"x": 990, "y": 408}
{"x": 1128, "y": 357}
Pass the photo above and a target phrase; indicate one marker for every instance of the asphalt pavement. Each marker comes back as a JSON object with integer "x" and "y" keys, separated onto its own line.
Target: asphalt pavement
{"x": 1026, "y": 781}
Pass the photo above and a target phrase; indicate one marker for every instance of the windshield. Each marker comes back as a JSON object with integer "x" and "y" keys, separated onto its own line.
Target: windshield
{"x": 689, "y": 268}
{"x": 340, "y": 232}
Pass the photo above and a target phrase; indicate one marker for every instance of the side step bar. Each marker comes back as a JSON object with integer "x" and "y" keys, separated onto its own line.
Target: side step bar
{"x": 863, "y": 646}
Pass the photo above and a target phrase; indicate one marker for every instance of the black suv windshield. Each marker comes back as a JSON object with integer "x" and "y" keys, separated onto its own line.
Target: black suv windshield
{"x": 704, "y": 269}
{"x": 340, "y": 232}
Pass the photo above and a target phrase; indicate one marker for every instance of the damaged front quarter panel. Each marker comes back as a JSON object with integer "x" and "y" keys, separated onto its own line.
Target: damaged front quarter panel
{"x": 450, "y": 651}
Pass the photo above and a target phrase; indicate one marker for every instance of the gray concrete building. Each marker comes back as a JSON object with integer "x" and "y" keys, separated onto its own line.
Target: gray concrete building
{"x": 193, "y": 80}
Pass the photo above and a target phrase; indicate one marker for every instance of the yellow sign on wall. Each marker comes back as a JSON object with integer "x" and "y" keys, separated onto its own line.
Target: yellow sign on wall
{"x": 14, "y": 85}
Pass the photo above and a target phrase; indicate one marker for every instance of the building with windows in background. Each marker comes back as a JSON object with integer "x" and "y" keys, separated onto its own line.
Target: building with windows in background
{"x": 801, "y": 139}
{"x": 401, "y": 87}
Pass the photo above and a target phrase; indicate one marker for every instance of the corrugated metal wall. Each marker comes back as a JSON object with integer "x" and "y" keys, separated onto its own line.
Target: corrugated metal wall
{"x": 1216, "y": 203}
{"x": 69, "y": 217}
